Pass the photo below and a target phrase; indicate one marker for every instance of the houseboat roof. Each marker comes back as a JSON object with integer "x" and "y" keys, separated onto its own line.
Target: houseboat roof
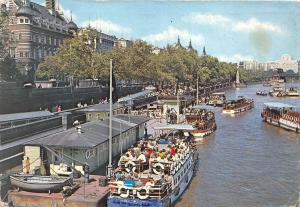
{"x": 101, "y": 107}
{"x": 219, "y": 93}
{"x": 204, "y": 106}
{"x": 186, "y": 127}
{"x": 26, "y": 115}
{"x": 133, "y": 118}
{"x": 278, "y": 105}
{"x": 92, "y": 134}
{"x": 135, "y": 96}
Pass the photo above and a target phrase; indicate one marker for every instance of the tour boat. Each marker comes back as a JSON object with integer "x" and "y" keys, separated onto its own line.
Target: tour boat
{"x": 238, "y": 106}
{"x": 292, "y": 91}
{"x": 261, "y": 93}
{"x": 203, "y": 120}
{"x": 36, "y": 183}
{"x": 155, "y": 173}
{"x": 217, "y": 99}
{"x": 282, "y": 115}
{"x": 277, "y": 91}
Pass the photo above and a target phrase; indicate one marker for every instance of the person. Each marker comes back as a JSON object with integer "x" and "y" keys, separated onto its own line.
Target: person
{"x": 59, "y": 109}
{"x": 146, "y": 131}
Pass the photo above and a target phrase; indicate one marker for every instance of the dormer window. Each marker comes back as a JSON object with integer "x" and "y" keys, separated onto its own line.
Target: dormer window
{"x": 27, "y": 21}
{"x": 21, "y": 21}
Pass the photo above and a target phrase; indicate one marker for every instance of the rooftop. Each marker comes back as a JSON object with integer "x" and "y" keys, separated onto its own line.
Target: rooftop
{"x": 101, "y": 107}
{"x": 25, "y": 115}
{"x": 93, "y": 133}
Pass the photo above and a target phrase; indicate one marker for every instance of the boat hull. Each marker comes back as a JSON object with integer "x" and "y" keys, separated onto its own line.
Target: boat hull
{"x": 238, "y": 110}
{"x": 283, "y": 123}
{"x": 200, "y": 134}
{"x": 38, "y": 187}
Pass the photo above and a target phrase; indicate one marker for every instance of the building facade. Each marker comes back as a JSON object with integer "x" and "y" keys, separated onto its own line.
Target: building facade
{"x": 123, "y": 43}
{"x": 38, "y": 32}
{"x": 285, "y": 62}
{"x": 99, "y": 41}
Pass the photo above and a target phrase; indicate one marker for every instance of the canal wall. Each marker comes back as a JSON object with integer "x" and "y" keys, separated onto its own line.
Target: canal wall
{"x": 15, "y": 99}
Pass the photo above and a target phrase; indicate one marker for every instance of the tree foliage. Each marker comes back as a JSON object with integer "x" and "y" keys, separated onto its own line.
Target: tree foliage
{"x": 172, "y": 65}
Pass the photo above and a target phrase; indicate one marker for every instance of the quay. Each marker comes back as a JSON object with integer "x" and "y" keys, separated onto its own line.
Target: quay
{"x": 87, "y": 195}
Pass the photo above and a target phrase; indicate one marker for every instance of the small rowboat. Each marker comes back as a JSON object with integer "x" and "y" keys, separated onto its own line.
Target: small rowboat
{"x": 35, "y": 183}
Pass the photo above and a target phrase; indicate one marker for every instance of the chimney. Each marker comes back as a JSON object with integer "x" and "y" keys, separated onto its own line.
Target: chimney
{"x": 50, "y": 4}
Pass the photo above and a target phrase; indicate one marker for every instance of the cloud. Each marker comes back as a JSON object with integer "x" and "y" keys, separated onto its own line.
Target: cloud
{"x": 206, "y": 18}
{"x": 234, "y": 58}
{"x": 171, "y": 34}
{"x": 107, "y": 26}
{"x": 67, "y": 13}
{"x": 254, "y": 25}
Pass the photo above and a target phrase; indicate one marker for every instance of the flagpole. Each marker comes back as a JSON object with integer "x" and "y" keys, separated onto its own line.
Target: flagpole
{"x": 110, "y": 121}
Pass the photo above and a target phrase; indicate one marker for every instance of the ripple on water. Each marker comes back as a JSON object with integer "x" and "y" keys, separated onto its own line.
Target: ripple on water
{"x": 246, "y": 162}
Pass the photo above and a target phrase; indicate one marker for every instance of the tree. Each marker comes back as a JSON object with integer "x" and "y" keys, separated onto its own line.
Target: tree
{"x": 8, "y": 70}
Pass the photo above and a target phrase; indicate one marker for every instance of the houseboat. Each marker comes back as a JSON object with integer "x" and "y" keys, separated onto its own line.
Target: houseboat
{"x": 237, "y": 106}
{"x": 292, "y": 91}
{"x": 155, "y": 173}
{"x": 282, "y": 115}
{"x": 277, "y": 91}
{"x": 203, "y": 119}
{"x": 217, "y": 99}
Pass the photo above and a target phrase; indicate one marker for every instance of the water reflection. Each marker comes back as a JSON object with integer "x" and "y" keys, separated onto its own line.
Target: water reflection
{"x": 247, "y": 162}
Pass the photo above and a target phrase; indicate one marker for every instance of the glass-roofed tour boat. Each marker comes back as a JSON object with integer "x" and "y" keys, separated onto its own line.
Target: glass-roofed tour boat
{"x": 237, "y": 106}
{"x": 282, "y": 115}
{"x": 156, "y": 172}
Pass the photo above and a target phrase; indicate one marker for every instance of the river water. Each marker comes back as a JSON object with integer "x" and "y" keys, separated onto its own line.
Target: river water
{"x": 247, "y": 162}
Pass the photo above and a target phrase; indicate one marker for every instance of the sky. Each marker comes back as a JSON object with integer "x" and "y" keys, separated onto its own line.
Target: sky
{"x": 230, "y": 30}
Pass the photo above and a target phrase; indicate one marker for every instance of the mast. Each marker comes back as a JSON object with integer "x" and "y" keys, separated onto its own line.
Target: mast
{"x": 197, "y": 94}
{"x": 109, "y": 167}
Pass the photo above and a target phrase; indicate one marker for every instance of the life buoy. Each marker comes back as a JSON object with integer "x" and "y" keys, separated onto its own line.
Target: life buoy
{"x": 130, "y": 166}
{"x": 143, "y": 193}
{"x": 158, "y": 168}
{"x": 124, "y": 193}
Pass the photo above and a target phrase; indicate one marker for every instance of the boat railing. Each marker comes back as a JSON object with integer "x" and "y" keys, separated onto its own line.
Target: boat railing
{"x": 272, "y": 115}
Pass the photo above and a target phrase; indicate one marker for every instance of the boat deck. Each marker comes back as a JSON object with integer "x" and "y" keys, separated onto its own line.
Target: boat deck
{"x": 87, "y": 195}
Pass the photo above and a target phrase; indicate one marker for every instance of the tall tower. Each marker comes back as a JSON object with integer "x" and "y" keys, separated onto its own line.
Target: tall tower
{"x": 50, "y": 4}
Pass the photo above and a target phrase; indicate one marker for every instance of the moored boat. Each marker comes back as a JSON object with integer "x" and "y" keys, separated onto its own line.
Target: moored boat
{"x": 282, "y": 115}
{"x": 237, "y": 106}
{"x": 217, "y": 99}
{"x": 153, "y": 174}
{"x": 203, "y": 120}
{"x": 292, "y": 91}
{"x": 261, "y": 93}
{"x": 277, "y": 91}
{"x": 35, "y": 183}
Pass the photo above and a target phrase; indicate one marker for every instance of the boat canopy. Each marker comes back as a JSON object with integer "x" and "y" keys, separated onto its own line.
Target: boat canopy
{"x": 278, "y": 105}
{"x": 219, "y": 94}
{"x": 135, "y": 96}
{"x": 204, "y": 106}
{"x": 186, "y": 127}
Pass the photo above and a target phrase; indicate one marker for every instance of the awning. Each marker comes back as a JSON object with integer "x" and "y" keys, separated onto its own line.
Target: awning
{"x": 278, "y": 105}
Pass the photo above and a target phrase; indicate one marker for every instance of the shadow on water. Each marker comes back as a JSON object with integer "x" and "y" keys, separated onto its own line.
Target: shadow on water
{"x": 247, "y": 162}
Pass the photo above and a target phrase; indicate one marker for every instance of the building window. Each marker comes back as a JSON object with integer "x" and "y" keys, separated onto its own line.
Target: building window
{"x": 26, "y": 21}
{"x": 20, "y": 36}
{"x": 21, "y": 21}
{"x": 26, "y": 54}
{"x": 21, "y": 54}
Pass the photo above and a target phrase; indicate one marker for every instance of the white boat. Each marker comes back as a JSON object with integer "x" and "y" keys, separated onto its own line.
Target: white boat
{"x": 35, "y": 183}
{"x": 277, "y": 91}
{"x": 238, "y": 106}
{"x": 217, "y": 99}
{"x": 292, "y": 91}
{"x": 157, "y": 177}
{"x": 282, "y": 115}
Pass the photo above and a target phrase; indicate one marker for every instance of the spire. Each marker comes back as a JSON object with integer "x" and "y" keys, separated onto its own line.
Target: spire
{"x": 71, "y": 16}
{"x": 178, "y": 44}
{"x": 204, "y": 52}
{"x": 190, "y": 47}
